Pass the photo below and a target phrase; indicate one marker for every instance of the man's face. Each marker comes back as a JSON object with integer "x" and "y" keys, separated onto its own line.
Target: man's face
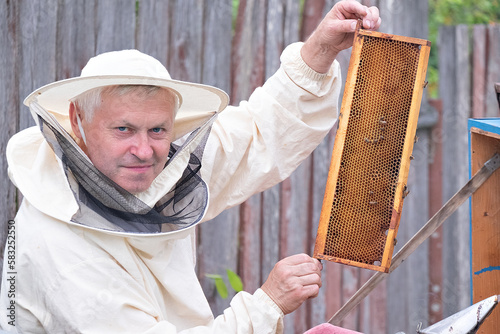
{"x": 129, "y": 136}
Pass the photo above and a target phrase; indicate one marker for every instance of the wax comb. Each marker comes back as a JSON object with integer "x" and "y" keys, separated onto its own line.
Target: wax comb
{"x": 373, "y": 147}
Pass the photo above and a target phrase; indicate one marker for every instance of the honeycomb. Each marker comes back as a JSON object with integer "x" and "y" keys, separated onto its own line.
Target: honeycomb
{"x": 371, "y": 159}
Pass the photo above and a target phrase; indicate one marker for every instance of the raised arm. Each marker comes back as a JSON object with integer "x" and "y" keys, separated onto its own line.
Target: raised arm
{"x": 335, "y": 33}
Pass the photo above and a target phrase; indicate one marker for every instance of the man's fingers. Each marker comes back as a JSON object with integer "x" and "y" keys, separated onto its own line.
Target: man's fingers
{"x": 311, "y": 291}
{"x": 372, "y": 19}
{"x": 307, "y": 268}
{"x": 375, "y": 13}
{"x": 310, "y": 279}
{"x": 352, "y": 9}
{"x": 299, "y": 259}
{"x": 367, "y": 19}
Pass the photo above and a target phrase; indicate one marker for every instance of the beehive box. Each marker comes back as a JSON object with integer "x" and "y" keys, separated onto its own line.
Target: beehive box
{"x": 372, "y": 151}
{"x": 484, "y": 142}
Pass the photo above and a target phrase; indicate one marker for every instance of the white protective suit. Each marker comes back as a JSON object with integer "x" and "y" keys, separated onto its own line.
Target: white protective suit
{"x": 74, "y": 279}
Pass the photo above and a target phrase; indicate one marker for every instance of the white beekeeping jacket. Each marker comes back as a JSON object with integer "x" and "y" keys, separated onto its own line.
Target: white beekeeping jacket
{"x": 72, "y": 277}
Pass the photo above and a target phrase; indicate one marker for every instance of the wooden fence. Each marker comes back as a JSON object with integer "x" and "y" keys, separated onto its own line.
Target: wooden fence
{"x": 198, "y": 41}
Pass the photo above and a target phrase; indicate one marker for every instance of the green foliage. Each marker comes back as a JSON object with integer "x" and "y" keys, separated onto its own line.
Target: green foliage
{"x": 220, "y": 285}
{"x": 234, "y": 280}
{"x": 451, "y": 12}
{"x": 454, "y": 12}
{"x": 236, "y": 5}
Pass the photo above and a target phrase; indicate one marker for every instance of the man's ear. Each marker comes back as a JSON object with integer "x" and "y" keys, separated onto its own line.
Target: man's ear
{"x": 73, "y": 118}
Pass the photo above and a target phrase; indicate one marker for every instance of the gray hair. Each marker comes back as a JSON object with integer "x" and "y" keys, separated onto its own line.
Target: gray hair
{"x": 89, "y": 101}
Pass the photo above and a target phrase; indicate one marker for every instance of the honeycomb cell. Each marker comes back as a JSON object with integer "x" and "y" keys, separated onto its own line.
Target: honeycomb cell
{"x": 371, "y": 158}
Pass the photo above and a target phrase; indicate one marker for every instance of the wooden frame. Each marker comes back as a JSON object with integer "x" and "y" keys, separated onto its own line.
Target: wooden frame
{"x": 383, "y": 70}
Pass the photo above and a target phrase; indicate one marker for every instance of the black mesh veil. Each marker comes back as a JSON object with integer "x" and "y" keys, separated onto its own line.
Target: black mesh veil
{"x": 105, "y": 205}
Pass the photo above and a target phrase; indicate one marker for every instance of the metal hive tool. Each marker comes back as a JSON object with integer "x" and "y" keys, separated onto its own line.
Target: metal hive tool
{"x": 371, "y": 156}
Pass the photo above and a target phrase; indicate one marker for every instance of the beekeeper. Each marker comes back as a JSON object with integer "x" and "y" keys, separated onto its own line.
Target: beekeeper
{"x": 123, "y": 164}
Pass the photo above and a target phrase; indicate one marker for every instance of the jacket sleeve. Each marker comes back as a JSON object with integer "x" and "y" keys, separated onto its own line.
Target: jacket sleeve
{"x": 74, "y": 280}
{"x": 259, "y": 143}
{"x": 122, "y": 307}
{"x": 100, "y": 297}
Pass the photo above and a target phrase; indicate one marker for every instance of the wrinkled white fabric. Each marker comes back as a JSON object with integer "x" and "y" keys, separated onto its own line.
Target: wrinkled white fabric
{"x": 72, "y": 279}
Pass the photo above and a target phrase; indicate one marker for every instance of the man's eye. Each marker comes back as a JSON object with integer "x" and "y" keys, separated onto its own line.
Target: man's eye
{"x": 122, "y": 128}
{"x": 156, "y": 130}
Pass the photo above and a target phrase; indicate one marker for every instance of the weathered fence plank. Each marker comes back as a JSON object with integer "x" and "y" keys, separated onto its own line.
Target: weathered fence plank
{"x": 292, "y": 21}
{"x": 328, "y": 6}
{"x": 271, "y": 203}
{"x": 250, "y": 243}
{"x": 295, "y": 212}
{"x": 271, "y": 198}
{"x": 9, "y": 115}
{"x": 248, "y": 49}
{"x": 463, "y": 113}
{"x": 493, "y": 75}
{"x": 375, "y": 315}
{"x": 320, "y": 167}
{"x": 334, "y": 285}
{"x": 75, "y": 37}
{"x": 116, "y": 31}
{"x": 454, "y": 90}
{"x": 217, "y": 40}
{"x": 37, "y": 44}
{"x": 479, "y": 59}
{"x": 186, "y": 44}
{"x": 218, "y": 242}
{"x": 415, "y": 211}
{"x": 248, "y": 73}
{"x": 435, "y": 202}
{"x": 313, "y": 13}
{"x": 351, "y": 282}
{"x": 297, "y": 218}
{"x": 153, "y": 29}
{"x": 274, "y": 36}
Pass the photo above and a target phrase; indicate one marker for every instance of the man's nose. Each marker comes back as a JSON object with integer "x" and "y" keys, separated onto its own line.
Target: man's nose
{"x": 142, "y": 148}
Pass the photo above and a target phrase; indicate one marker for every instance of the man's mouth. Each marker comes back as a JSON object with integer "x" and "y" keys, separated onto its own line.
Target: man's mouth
{"x": 139, "y": 168}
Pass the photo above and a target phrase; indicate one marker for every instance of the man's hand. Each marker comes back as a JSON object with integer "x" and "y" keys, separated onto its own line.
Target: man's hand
{"x": 336, "y": 32}
{"x": 293, "y": 280}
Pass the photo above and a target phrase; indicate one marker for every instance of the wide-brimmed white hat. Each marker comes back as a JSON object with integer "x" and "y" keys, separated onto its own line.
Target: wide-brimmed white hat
{"x": 198, "y": 102}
